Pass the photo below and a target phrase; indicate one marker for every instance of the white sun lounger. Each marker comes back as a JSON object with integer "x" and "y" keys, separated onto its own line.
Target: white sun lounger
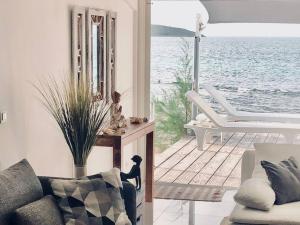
{"x": 290, "y": 131}
{"x": 235, "y": 115}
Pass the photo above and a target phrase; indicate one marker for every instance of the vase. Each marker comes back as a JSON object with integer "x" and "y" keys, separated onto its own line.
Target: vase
{"x": 79, "y": 171}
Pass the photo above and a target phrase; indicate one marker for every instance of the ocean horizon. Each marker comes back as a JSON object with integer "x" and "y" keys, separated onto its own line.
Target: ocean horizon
{"x": 256, "y": 74}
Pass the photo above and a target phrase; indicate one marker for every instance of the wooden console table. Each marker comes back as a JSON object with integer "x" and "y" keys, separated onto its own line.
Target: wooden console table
{"x": 118, "y": 141}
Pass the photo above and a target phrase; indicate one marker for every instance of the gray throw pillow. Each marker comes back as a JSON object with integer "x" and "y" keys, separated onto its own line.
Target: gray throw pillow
{"x": 284, "y": 178}
{"x": 18, "y": 186}
{"x": 41, "y": 212}
{"x": 94, "y": 200}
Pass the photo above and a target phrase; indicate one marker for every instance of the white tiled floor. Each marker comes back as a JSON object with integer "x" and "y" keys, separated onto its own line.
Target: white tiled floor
{"x": 176, "y": 212}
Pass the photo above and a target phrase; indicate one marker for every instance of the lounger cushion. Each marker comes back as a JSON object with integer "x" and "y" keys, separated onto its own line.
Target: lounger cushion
{"x": 284, "y": 178}
{"x": 287, "y": 214}
{"x": 256, "y": 193}
{"x": 273, "y": 153}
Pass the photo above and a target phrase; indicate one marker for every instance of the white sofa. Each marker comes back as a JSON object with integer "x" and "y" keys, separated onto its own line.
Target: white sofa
{"x": 287, "y": 214}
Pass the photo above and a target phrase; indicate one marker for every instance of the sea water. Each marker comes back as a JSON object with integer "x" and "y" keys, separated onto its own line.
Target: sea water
{"x": 254, "y": 74}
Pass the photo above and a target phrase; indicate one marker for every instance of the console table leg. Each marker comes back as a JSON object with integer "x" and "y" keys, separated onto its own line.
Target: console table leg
{"x": 117, "y": 157}
{"x": 149, "y": 167}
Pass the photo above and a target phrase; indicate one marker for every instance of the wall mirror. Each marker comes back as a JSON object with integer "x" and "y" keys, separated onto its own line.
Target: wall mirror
{"x": 111, "y": 52}
{"x": 78, "y": 43}
{"x": 96, "y": 51}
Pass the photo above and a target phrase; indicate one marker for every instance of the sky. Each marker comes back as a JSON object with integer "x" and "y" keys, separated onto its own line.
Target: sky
{"x": 183, "y": 15}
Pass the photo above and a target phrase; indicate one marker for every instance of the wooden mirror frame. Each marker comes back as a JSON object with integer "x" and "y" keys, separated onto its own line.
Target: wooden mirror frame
{"x": 78, "y": 43}
{"x": 111, "y": 52}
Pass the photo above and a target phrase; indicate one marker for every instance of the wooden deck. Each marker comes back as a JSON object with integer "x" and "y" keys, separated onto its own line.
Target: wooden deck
{"x": 218, "y": 164}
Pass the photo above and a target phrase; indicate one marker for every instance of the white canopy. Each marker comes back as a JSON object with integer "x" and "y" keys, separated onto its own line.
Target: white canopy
{"x": 252, "y": 11}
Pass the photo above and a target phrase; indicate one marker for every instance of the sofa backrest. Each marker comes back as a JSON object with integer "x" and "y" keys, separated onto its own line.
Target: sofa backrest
{"x": 266, "y": 151}
{"x": 19, "y": 186}
{"x": 273, "y": 153}
{"x": 248, "y": 163}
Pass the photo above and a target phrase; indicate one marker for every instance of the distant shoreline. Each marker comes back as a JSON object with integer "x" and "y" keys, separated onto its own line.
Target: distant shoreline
{"x": 167, "y": 31}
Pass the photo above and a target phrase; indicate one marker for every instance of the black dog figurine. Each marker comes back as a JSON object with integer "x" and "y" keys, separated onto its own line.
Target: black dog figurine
{"x": 135, "y": 172}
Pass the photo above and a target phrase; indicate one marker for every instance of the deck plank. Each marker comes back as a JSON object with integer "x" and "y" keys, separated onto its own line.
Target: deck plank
{"x": 214, "y": 163}
{"x": 247, "y": 144}
{"x": 201, "y": 161}
{"x": 185, "y": 177}
{"x": 222, "y": 155}
{"x": 170, "y": 176}
{"x": 220, "y": 143}
{"x": 208, "y": 167}
{"x": 232, "y": 143}
{"x": 190, "y": 158}
{"x": 179, "y": 155}
{"x": 181, "y": 160}
{"x": 236, "y": 172}
{"x": 228, "y": 165}
{"x": 244, "y": 144}
{"x": 232, "y": 182}
{"x": 200, "y": 179}
{"x": 223, "y": 168}
{"x": 159, "y": 172}
{"x": 165, "y": 155}
{"x": 216, "y": 180}
{"x": 219, "y": 164}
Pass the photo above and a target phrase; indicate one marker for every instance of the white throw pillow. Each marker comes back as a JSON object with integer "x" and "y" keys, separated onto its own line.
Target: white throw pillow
{"x": 274, "y": 153}
{"x": 256, "y": 193}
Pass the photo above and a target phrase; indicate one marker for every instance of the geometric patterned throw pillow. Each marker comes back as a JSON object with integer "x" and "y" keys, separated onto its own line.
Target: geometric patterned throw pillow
{"x": 93, "y": 200}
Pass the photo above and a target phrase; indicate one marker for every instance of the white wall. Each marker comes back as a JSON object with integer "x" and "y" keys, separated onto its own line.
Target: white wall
{"x": 35, "y": 42}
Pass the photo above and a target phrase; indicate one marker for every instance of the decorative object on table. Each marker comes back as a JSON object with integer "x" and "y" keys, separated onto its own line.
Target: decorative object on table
{"x": 93, "y": 200}
{"x": 79, "y": 116}
{"x": 138, "y": 120}
{"x": 135, "y": 172}
{"x": 117, "y": 120}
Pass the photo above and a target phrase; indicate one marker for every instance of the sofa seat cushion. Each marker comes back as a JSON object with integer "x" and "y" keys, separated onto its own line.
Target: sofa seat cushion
{"x": 43, "y": 211}
{"x": 256, "y": 193}
{"x": 94, "y": 200}
{"x": 18, "y": 186}
{"x": 287, "y": 214}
